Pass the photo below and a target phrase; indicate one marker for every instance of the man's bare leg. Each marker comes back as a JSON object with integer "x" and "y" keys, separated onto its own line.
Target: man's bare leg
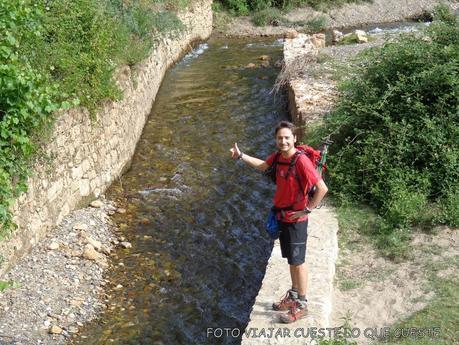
{"x": 299, "y": 275}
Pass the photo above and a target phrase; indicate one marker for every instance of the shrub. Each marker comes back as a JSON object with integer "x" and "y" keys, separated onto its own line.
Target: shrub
{"x": 266, "y": 17}
{"x": 316, "y": 24}
{"x": 26, "y": 101}
{"x": 396, "y": 127}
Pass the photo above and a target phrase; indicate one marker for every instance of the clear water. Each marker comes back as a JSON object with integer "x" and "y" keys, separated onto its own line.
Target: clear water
{"x": 195, "y": 217}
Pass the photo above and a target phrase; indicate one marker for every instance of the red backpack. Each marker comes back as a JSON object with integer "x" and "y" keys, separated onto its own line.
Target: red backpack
{"x": 313, "y": 155}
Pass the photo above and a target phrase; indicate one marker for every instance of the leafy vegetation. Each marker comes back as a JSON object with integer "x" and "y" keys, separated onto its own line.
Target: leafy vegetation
{"x": 62, "y": 53}
{"x": 6, "y": 285}
{"x": 396, "y": 133}
{"x": 244, "y": 7}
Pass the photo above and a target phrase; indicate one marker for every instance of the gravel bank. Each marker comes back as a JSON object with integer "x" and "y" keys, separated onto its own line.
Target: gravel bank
{"x": 60, "y": 284}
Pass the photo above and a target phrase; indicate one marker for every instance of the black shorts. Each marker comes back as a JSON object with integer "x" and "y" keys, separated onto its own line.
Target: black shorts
{"x": 293, "y": 238}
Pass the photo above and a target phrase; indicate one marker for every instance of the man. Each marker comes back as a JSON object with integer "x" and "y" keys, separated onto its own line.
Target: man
{"x": 292, "y": 206}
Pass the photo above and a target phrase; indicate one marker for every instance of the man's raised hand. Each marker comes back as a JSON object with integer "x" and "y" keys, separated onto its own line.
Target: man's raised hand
{"x": 235, "y": 152}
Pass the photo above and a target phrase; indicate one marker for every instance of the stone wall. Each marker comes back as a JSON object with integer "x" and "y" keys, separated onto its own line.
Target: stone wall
{"x": 84, "y": 157}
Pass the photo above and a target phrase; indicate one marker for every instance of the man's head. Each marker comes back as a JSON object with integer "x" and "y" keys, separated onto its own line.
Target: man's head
{"x": 285, "y": 137}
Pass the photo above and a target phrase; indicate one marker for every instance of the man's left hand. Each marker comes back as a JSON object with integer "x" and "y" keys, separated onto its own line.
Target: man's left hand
{"x": 297, "y": 215}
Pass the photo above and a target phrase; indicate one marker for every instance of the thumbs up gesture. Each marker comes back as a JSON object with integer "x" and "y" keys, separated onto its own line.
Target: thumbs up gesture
{"x": 235, "y": 152}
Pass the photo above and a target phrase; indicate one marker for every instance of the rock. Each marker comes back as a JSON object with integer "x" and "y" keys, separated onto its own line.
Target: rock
{"x": 336, "y": 36}
{"x": 318, "y": 40}
{"x": 278, "y": 64}
{"x": 91, "y": 254}
{"x": 361, "y": 36}
{"x": 72, "y": 329}
{"x": 55, "y": 330}
{"x": 264, "y": 58}
{"x": 265, "y": 64}
{"x": 126, "y": 245}
{"x": 121, "y": 210}
{"x": 77, "y": 302}
{"x": 80, "y": 226}
{"x": 102, "y": 263}
{"x": 119, "y": 286}
{"x": 96, "y": 244}
{"x": 290, "y": 34}
{"x": 53, "y": 246}
{"x": 106, "y": 250}
{"x": 96, "y": 204}
{"x": 251, "y": 65}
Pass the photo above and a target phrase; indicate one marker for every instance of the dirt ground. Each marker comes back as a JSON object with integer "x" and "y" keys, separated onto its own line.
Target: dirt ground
{"x": 374, "y": 292}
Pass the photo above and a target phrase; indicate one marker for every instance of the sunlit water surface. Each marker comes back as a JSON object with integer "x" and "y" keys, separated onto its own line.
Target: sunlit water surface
{"x": 195, "y": 217}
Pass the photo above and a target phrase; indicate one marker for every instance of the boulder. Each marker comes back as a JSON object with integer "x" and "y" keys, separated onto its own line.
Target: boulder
{"x": 361, "y": 36}
{"x": 336, "y": 36}
{"x": 318, "y": 40}
{"x": 290, "y": 34}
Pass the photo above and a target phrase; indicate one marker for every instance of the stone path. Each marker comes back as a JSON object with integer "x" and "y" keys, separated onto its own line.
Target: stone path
{"x": 322, "y": 251}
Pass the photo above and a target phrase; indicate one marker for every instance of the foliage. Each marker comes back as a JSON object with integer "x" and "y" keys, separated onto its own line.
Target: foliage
{"x": 243, "y": 7}
{"x": 26, "y": 101}
{"x": 85, "y": 40}
{"x": 6, "y": 284}
{"x": 267, "y": 16}
{"x": 316, "y": 24}
{"x": 396, "y": 133}
{"x": 57, "y": 54}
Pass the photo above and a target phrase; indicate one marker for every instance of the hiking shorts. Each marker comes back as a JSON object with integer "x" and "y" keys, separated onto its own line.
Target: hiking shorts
{"x": 293, "y": 238}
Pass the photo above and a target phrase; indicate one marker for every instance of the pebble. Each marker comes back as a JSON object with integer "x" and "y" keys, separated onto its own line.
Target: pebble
{"x": 80, "y": 226}
{"x": 53, "y": 246}
{"x": 126, "y": 245}
{"x": 55, "y": 330}
{"x": 96, "y": 204}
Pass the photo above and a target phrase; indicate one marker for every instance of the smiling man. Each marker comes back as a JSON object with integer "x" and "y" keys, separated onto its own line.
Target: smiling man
{"x": 295, "y": 175}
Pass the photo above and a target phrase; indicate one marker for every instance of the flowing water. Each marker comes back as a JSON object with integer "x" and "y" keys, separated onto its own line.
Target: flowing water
{"x": 195, "y": 217}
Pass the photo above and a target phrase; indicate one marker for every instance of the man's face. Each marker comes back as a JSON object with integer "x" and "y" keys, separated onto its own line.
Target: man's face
{"x": 285, "y": 140}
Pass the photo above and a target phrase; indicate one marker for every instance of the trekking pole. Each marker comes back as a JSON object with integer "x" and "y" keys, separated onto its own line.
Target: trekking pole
{"x": 323, "y": 157}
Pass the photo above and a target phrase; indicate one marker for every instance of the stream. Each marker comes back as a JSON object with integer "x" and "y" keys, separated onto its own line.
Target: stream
{"x": 195, "y": 217}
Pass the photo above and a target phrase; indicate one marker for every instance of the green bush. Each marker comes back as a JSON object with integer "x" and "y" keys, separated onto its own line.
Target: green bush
{"x": 316, "y": 24}
{"x": 26, "y": 101}
{"x": 396, "y": 131}
{"x": 243, "y": 7}
{"x": 267, "y": 16}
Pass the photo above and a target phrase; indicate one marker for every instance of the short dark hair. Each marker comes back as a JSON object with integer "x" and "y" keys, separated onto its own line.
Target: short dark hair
{"x": 285, "y": 124}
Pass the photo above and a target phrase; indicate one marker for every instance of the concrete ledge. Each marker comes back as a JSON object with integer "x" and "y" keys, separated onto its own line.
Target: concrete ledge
{"x": 322, "y": 251}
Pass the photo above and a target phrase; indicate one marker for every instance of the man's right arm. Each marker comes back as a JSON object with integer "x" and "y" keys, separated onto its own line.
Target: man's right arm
{"x": 252, "y": 161}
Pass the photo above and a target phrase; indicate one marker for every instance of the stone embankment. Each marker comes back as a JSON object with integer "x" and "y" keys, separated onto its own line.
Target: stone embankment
{"x": 85, "y": 156}
{"x": 307, "y": 102}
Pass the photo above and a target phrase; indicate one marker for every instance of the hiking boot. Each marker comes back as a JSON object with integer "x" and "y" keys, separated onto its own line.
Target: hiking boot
{"x": 297, "y": 310}
{"x": 286, "y": 302}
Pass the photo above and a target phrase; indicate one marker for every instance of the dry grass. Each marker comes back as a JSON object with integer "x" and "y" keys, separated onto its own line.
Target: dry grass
{"x": 298, "y": 68}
